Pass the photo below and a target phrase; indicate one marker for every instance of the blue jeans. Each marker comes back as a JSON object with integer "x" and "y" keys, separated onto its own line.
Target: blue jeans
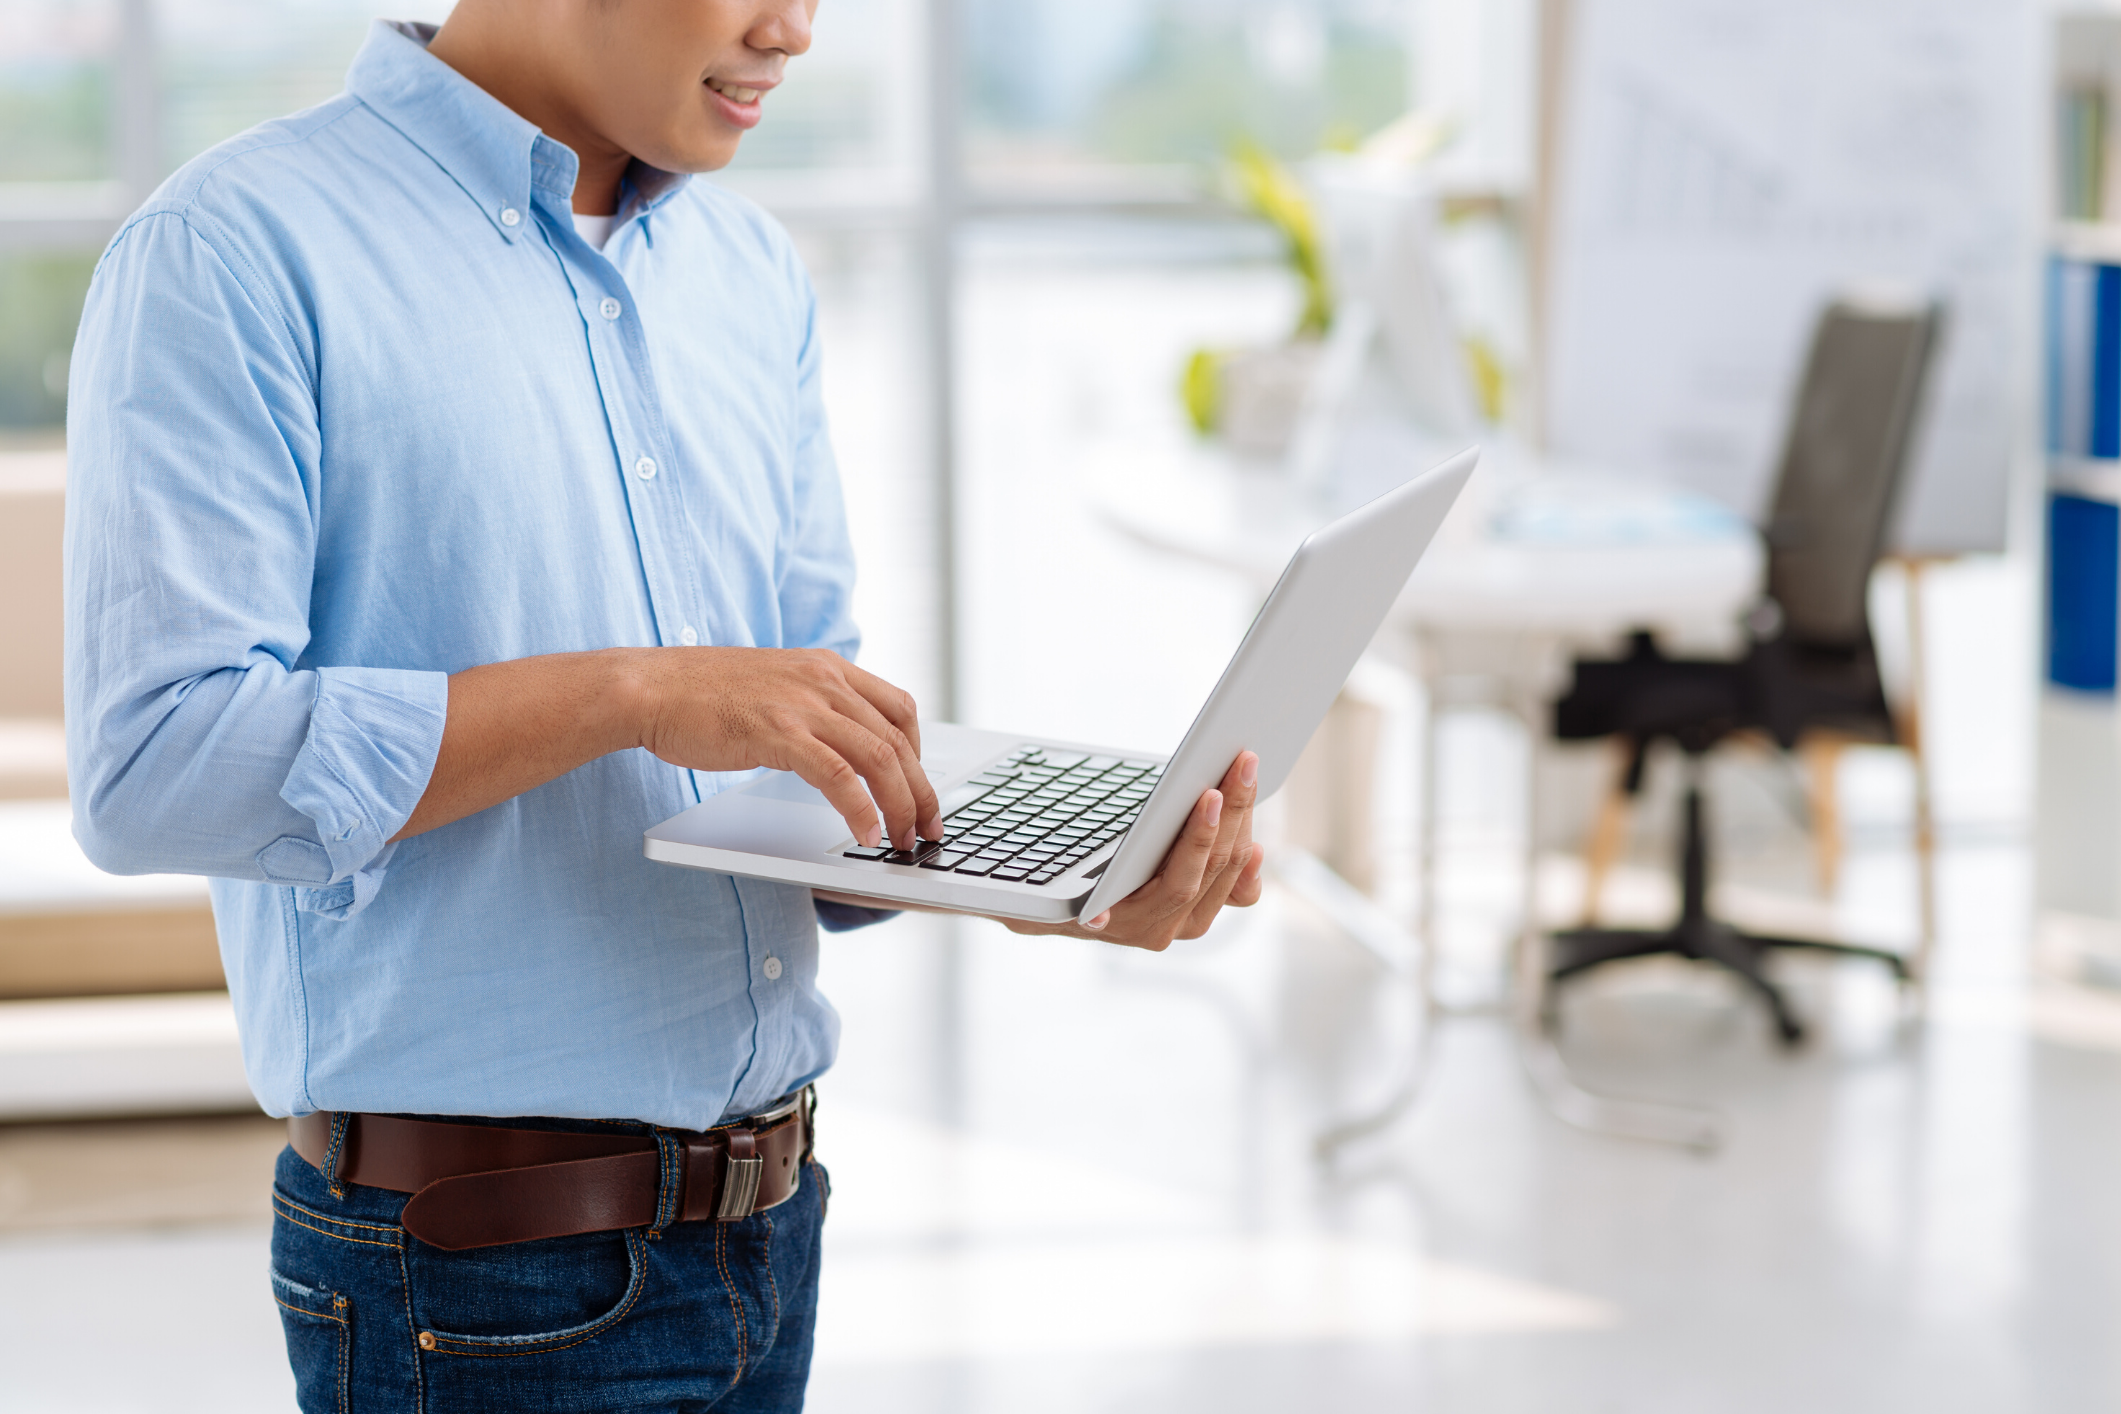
{"x": 697, "y": 1316}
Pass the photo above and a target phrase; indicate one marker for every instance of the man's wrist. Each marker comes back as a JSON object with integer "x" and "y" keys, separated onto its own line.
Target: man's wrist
{"x": 629, "y": 695}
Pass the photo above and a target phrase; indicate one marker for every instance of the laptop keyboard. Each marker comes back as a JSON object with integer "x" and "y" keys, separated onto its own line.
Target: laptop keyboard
{"x": 1039, "y": 813}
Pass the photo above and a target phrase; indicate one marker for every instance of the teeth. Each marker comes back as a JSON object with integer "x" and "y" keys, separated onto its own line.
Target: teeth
{"x": 732, "y": 93}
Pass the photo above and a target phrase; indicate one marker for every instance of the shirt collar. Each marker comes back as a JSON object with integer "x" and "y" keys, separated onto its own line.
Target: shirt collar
{"x": 495, "y": 154}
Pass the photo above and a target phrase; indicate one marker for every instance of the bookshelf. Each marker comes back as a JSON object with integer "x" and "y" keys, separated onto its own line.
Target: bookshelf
{"x": 2079, "y": 820}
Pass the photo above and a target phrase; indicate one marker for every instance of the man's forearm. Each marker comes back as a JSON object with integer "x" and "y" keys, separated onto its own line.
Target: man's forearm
{"x": 511, "y": 727}
{"x": 514, "y": 726}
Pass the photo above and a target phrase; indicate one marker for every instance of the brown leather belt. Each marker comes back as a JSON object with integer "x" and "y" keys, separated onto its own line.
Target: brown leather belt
{"x": 478, "y": 1186}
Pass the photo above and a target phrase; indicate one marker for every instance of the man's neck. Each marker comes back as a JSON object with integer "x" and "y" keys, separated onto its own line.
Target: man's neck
{"x": 506, "y": 61}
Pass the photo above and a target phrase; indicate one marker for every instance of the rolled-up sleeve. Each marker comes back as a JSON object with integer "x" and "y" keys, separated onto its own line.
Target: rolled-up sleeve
{"x": 198, "y": 741}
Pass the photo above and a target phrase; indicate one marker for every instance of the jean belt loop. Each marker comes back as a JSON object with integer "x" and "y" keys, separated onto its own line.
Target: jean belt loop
{"x": 335, "y": 1151}
{"x": 670, "y": 1181}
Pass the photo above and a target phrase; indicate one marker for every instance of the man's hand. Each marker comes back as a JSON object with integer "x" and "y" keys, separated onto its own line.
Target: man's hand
{"x": 1213, "y": 863}
{"x": 514, "y": 726}
{"x": 803, "y": 710}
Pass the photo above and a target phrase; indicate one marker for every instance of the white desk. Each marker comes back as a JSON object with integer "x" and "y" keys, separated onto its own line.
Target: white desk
{"x": 1569, "y": 563}
{"x": 1536, "y": 565}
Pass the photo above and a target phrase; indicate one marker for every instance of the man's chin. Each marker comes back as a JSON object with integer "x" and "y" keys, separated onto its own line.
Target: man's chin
{"x": 695, "y": 157}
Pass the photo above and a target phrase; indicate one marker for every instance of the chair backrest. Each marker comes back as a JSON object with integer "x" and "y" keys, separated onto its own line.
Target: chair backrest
{"x": 1848, "y": 445}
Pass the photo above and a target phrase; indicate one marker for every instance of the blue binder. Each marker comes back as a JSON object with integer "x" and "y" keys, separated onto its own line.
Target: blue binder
{"x": 2084, "y": 359}
{"x": 2083, "y": 591}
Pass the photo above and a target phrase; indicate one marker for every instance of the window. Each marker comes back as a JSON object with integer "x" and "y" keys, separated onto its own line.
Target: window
{"x": 1055, "y": 85}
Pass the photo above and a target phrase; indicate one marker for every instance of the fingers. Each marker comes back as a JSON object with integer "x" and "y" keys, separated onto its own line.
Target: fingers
{"x": 1148, "y": 916}
{"x": 925, "y": 813}
{"x": 1212, "y": 836}
{"x": 1186, "y": 866}
{"x": 877, "y": 761}
{"x": 1251, "y": 880}
{"x": 804, "y": 710}
{"x": 1238, "y": 886}
{"x": 1213, "y": 864}
{"x": 1217, "y": 889}
{"x": 828, "y": 770}
{"x": 1240, "y": 789}
{"x": 896, "y": 704}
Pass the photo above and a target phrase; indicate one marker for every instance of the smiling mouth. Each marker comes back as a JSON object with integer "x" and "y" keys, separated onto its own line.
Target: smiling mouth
{"x": 734, "y": 92}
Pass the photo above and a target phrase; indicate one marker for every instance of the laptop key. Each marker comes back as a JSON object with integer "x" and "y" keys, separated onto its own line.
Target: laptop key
{"x": 863, "y": 851}
{"x": 921, "y": 850}
{"x": 1014, "y": 873}
{"x": 945, "y": 859}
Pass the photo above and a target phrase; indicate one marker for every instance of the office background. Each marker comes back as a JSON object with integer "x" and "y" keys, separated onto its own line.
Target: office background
{"x": 1023, "y": 221}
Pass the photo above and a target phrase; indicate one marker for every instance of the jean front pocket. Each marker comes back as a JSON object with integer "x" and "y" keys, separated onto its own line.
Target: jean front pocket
{"x": 526, "y": 1298}
{"x": 319, "y": 1327}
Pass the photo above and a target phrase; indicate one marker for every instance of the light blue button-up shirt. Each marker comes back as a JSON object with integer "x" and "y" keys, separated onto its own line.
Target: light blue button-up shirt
{"x": 353, "y": 407}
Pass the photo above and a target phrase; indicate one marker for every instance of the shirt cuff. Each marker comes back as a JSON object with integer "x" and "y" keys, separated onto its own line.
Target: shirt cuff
{"x": 846, "y": 917}
{"x": 373, "y": 738}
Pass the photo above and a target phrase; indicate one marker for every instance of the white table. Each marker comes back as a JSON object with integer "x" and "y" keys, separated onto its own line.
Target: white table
{"x": 1537, "y": 565}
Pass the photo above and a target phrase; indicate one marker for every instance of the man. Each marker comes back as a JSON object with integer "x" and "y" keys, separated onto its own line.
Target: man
{"x": 450, "y": 500}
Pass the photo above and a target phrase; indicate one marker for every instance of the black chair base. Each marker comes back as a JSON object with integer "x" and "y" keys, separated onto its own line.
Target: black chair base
{"x": 1701, "y": 938}
{"x": 1707, "y": 940}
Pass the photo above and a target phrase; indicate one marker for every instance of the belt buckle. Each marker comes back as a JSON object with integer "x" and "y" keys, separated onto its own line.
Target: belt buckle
{"x": 743, "y": 1167}
{"x": 740, "y": 1187}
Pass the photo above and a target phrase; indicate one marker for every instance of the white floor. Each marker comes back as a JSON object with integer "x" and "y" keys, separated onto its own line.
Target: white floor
{"x": 1068, "y": 1178}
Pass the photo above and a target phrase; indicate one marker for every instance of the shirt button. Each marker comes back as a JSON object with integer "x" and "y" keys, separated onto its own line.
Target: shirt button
{"x": 511, "y": 217}
{"x": 690, "y": 636}
{"x": 609, "y": 308}
{"x": 772, "y": 969}
{"x": 645, "y": 468}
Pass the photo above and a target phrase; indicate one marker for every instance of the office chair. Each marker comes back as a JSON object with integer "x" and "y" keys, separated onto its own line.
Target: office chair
{"x": 1810, "y": 666}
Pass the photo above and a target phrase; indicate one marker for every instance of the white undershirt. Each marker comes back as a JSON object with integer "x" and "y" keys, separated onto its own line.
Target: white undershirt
{"x": 594, "y": 229}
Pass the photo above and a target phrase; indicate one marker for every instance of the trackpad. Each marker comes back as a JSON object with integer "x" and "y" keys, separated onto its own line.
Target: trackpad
{"x": 788, "y": 786}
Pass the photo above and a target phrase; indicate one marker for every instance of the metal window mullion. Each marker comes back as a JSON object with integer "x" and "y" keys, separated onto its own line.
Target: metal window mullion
{"x": 136, "y": 102}
{"x": 940, "y": 216}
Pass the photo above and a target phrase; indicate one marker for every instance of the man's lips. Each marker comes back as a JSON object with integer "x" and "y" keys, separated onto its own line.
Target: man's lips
{"x": 737, "y": 102}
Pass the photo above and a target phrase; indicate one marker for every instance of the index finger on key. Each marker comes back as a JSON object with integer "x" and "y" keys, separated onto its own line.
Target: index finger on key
{"x": 841, "y": 785}
{"x": 896, "y": 706}
{"x": 927, "y": 805}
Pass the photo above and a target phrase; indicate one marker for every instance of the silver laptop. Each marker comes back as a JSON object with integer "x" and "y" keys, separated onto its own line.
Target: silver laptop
{"x": 1051, "y": 830}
